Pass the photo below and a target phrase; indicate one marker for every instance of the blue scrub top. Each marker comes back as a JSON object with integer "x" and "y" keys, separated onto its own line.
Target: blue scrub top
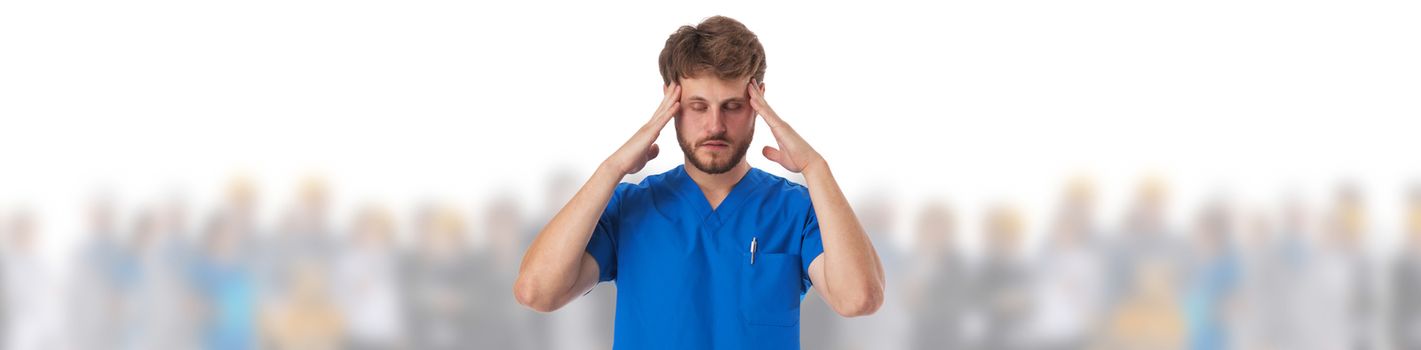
{"x": 683, "y": 271}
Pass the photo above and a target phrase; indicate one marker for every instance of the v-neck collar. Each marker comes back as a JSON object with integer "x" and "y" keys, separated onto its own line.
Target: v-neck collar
{"x": 714, "y": 218}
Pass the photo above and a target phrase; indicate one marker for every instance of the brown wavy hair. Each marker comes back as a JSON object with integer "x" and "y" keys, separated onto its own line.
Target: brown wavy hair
{"x": 719, "y": 45}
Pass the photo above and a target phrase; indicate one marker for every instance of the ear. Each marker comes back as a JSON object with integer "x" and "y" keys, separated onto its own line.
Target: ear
{"x": 762, "y": 88}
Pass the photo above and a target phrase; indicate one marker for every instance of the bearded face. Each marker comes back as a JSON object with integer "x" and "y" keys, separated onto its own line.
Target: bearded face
{"x": 716, "y": 123}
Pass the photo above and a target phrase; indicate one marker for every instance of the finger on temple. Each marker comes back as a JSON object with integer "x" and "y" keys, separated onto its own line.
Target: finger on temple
{"x": 670, "y": 112}
{"x": 673, "y": 94}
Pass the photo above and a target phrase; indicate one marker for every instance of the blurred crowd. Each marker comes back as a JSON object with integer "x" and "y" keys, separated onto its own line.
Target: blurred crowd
{"x": 160, "y": 277}
{"x": 1287, "y": 275}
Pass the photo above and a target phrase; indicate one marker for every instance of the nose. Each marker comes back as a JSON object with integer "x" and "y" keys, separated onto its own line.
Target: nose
{"x": 715, "y": 124}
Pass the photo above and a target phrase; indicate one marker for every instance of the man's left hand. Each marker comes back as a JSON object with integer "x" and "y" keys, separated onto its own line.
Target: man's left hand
{"x": 794, "y": 153}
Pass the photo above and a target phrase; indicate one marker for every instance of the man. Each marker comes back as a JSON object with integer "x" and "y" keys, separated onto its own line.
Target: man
{"x": 713, "y": 254}
{"x": 1405, "y": 320}
{"x": 937, "y": 305}
{"x": 1000, "y": 291}
{"x": 1068, "y": 277}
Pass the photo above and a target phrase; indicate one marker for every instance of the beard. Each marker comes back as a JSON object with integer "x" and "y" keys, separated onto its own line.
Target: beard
{"x": 715, "y": 163}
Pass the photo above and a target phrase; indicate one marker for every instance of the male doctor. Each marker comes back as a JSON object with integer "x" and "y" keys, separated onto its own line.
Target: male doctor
{"x": 713, "y": 254}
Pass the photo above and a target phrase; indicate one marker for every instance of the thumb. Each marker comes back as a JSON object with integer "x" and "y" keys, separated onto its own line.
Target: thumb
{"x": 652, "y": 151}
{"x": 773, "y": 154}
{"x": 646, "y": 156}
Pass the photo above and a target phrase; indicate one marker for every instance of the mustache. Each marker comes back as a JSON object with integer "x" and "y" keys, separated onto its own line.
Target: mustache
{"x": 717, "y": 137}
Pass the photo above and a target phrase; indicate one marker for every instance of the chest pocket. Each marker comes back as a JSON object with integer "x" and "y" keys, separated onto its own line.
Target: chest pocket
{"x": 769, "y": 289}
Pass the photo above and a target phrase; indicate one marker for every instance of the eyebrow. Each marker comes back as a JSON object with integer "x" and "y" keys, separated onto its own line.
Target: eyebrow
{"x": 703, "y": 99}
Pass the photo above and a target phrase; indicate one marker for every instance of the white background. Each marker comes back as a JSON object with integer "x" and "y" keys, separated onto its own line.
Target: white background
{"x": 977, "y": 102}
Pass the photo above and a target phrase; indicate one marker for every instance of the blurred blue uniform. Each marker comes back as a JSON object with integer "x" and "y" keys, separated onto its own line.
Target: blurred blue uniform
{"x": 231, "y": 292}
{"x": 1206, "y": 301}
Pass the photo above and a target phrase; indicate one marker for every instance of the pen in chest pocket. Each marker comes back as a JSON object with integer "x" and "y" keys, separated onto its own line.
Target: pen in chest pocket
{"x": 752, "y": 250}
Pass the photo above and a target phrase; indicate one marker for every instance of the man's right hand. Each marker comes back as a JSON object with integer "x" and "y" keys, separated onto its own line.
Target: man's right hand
{"x": 642, "y": 148}
{"x": 557, "y": 269}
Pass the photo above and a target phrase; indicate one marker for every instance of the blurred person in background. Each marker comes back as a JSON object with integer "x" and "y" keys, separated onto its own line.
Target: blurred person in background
{"x": 1001, "y": 295}
{"x": 1069, "y": 277}
{"x": 1405, "y": 316}
{"x": 1296, "y": 250}
{"x": 888, "y": 328}
{"x": 1210, "y": 293}
{"x": 151, "y": 298}
{"x": 1340, "y": 304}
{"x": 1261, "y": 275}
{"x": 304, "y": 236}
{"x": 1145, "y": 235}
{"x": 498, "y": 261}
{"x": 93, "y": 299}
{"x": 175, "y": 249}
{"x": 367, "y": 278}
{"x": 239, "y": 210}
{"x": 136, "y": 308}
{"x": 173, "y": 311}
{"x": 305, "y": 318}
{"x": 1149, "y": 318}
{"x": 445, "y": 312}
{"x": 222, "y": 275}
{"x": 30, "y": 286}
{"x": 935, "y": 288}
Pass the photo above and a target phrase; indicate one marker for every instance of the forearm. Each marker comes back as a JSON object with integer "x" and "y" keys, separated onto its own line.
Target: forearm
{"x": 554, "y": 261}
{"x": 853, "y": 275}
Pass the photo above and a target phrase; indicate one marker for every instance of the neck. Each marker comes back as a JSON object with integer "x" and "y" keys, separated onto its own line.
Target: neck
{"x": 717, "y": 186}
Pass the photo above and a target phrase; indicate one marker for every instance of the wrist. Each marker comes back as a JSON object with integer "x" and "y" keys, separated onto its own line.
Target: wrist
{"x": 610, "y": 168}
{"x": 814, "y": 166}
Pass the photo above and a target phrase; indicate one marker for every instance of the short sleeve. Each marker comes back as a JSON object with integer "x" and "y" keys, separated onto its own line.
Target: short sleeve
{"x": 603, "y": 243}
{"x": 811, "y": 244}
